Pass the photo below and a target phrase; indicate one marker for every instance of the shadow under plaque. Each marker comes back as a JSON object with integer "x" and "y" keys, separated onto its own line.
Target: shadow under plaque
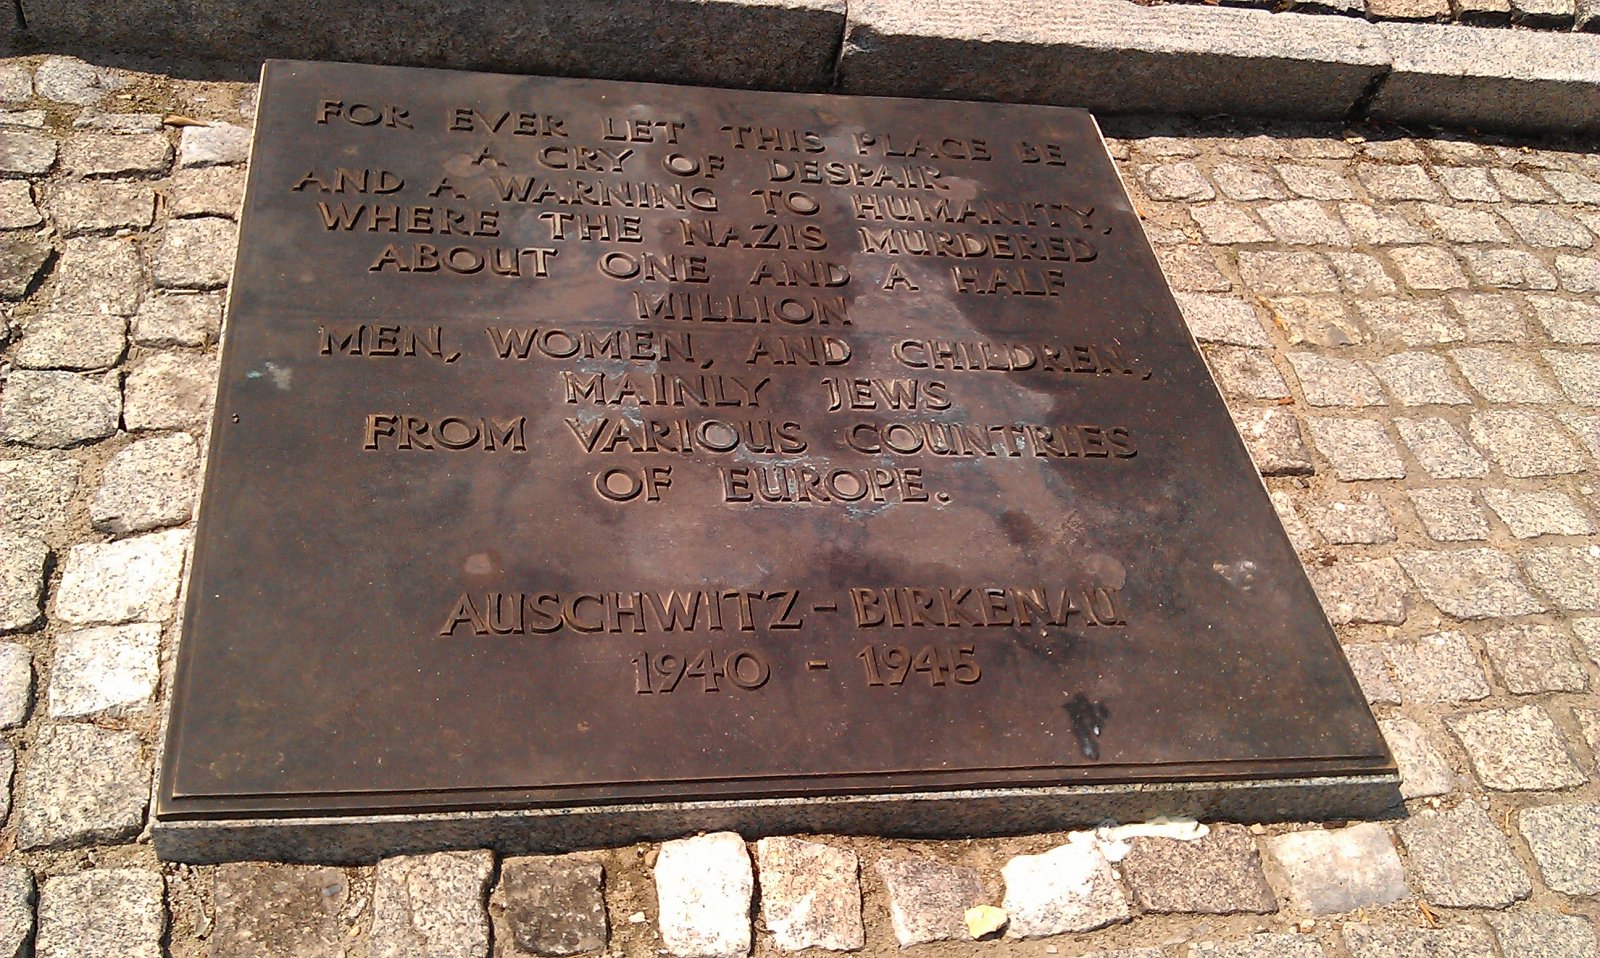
{"x": 597, "y": 461}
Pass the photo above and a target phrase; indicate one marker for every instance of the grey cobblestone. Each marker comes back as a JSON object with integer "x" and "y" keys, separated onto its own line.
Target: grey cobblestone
{"x": 928, "y": 899}
{"x": 1543, "y": 227}
{"x": 17, "y": 209}
{"x": 1246, "y": 373}
{"x": 149, "y": 485}
{"x": 1408, "y": 182}
{"x": 178, "y": 320}
{"x": 1462, "y": 860}
{"x": 1355, "y": 591}
{"x": 1256, "y": 946}
{"x": 1320, "y": 321}
{"x": 27, "y": 154}
{"x": 1222, "y": 319}
{"x": 1360, "y": 521}
{"x": 104, "y": 670}
{"x": 1273, "y": 273}
{"x": 1538, "y": 512}
{"x": 1176, "y": 181}
{"x": 1567, "y": 321}
{"x": 73, "y": 341}
{"x": 1241, "y": 182}
{"x": 1520, "y": 187}
{"x": 99, "y": 275}
{"x": 116, "y": 154}
{"x": 102, "y": 913}
{"x": 1449, "y": 515}
{"x": 71, "y": 80}
{"x": 431, "y": 905}
{"x": 131, "y": 580}
{"x": 1329, "y": 871}
{"x": 1471, "y": 583}
{"x": 1437, "y": 668}
{"x": 1516, "y": 750}
{"x": 170, "y": 391}
{"x": 1565, "y": 841}
{"x": 1274, "y": 440}
{"x": 207, "y": 191}
{"x": 22, "y": 259}
{"x": 82, "y": 785}
{"x": 1372, "y": 673}
{"x": 1361, "y": 274}
{"x": 1441, "y": 449}
{"x": 1455, "y": 224}
{"x": 1570, "y": 576}
{"x": 1304, "y": 223}
{"x": 1578, "y": 374}
{"x": 1503, "y": 375}
{"x": 269, "y": 911}
{"x": 1192, "y": 269}
{"x": 50, "y": 409}
{"x": 101, "y": 206}
{"x": 1315, "y": 183}
{"x": 1534, "y": 658}
{"x": 810, "y": 895}
{"x": 1379, "y": 228}
{"x": 1427, "y": 268}
{"x": 22, "y": 580}
{"x": 1508, "y": 269}
{"x": 16, "y": 687}
{"x": 1578, "y": 274}
{"x": 1491, "y": 317}
{"x": 222, "y": 144}
{"x": 1411, "y": 322}
{"x": 16, "y": 911}
{"x": 1219, "y": 874}
{"x": 1419, "y": 379}
{"x": 1356, "y": 448}
{"x": 1069, "y": 888}
{"x": 1327, "y": 381}
{"x": 195, "y": 254}
{"x": 1423, "y": 771}
{"x": 1586, "y": 428}
{"x": 1525, "y": 443}
{"x": 1458, "y": 941}
{"x": 1223, "y": 223}
{"x": 1539, "y": 934}
{"x": 1469, "y": 183}
{"x": 35, "y": 493}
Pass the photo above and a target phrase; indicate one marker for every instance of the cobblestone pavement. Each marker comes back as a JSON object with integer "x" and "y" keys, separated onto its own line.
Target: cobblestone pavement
{"x": 1408, "y": 332}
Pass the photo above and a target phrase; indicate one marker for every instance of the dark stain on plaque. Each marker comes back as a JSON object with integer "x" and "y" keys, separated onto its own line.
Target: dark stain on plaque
{"x": 583, "y": 442}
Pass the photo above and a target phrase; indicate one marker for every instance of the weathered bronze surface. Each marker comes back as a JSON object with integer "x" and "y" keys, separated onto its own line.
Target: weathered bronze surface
{"x": 586, "y": 442}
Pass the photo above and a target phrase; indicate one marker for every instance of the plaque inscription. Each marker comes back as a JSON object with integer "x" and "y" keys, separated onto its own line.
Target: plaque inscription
{"x": 584, "y": 442}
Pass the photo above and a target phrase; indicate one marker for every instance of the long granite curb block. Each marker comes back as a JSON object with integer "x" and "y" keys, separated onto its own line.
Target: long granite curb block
{"x": 1499, "y": 79}
{"x": 1113, "y": 56}
{"x": 749, "y": 44}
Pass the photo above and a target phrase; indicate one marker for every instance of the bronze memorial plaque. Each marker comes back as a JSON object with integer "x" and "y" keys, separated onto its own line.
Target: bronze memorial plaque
{"x": 672, "y": 454}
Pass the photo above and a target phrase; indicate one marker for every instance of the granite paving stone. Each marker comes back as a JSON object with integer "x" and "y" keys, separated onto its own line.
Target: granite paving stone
{"x": 1508, "y": 269}
{"x": 98, "y": 274}
{"x": 149, "y": 485}
{"x": 1362, "y": 274}
{"x": 51, "y": 409}
{"x": 1427, "y": 268}
{"x": 1304, "y": 223}
{"x": 16, "y": 687}
{"x": 89, "y": 155}
{"x": 1330, "y": 871}
{"x": 1461, "y": 860}
{"x": 1437, "y": 669}
{"x": 1320, "y": 321}
{"x": 431, "y": 905}
{"x": 1274, "y": 273}
{"x": 1588, "y": 721}
{"x": 82, "y": 785}
{"x": 1586, "y": 428}
{"x": 1374, "y": 227}
{"x": 1315, "y": 182}
{"x": 1372, "y": 673}
{"x": 71, "y": 80}
{"x": 27, "y": 154}
{"x": 1565, "y": 841}
{"x": 1411, "y": 322}
{"x": 220, "y": 144}
{"x": 1470, "y": 583}
{"x": 195, "y": 253}
{"x": 1469, "y": 183}
{"x": 1578, "y": 274}
{"x": 17, "y": 209}
{"x": 22, "y": 580}
{"x": 1573, "y": 187}
{"x": 187, "y": 319}
{"x": 928, "y": 899}
{"x": 1516, "y": 750}
{"x": 170, "y": 391}
{"x": 1419, "y": 379}
{"x": 131, "y": 580}
{"x": 1356, "y": 448}
{"x": 1449, "y": 514}
{"x": 1222, "y": 319}
{"x": 1358, "y": 591}
{"x": 552, "y": 906}
{"x": 1219, "y": 874}
{"x": 207, "y": 191}
{"x": 1360, "y": 521}
{"x": 1530, "y": 513}
{"x": 1542, "y": 934}
{"x": 1520, "y": 187}
{"x": 1542, "y": 227}
{"x": 1227, "y": 223}
{"x": 1241, "y": 182}
{"x": 1456, "y": 224}
{"x": 1258, "y": 946}
{"x": 704, "y": 887}
{"x": 1525, "y": 443}
{"x": 1535, "y": 658}
{"x": 1423, "y": 771}
{"x": 1456, "y": 941}
{"x": 1246, "y": 373}
{"x": 1492, "y": 317}
{"x": 1274, "y": 440}
{"x": 73, "y": 341}
{"x": 1176, "y": 181}
{"x": 1441, "y": 449}
{"x": 1570, "y": 576}
{"x": 272, "y": 911}
{"x": 102, "y": 913}
{"x": 16, "y": 911}
{"x": 1070, "y": 888}
{"x": 1300, "y": 534}
{"x": 1404, "y": 182}
{"x": 1192, "y": 269}
{"x": 1326, "y": 381}
{"x": 1409, "y": 9}
{"x": 1567, "y": 320}
{"x": 101, "y": 206}
{"x": 8, "y": 773}
{"x": 104, "y": 670}
{"x": 1578, "y": 374}
{"x": 1503, "y": 375}
{"x": 94, "y": 118}
{"x": 810, "y": 895}
{"x": 36, "y": 492}
{"x": 23, "y": 258}
{"x": 16, "y": 83}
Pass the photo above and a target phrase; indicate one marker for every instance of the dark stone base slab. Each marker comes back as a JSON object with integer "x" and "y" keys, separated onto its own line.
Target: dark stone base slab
{"x": 978, "y": 812}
